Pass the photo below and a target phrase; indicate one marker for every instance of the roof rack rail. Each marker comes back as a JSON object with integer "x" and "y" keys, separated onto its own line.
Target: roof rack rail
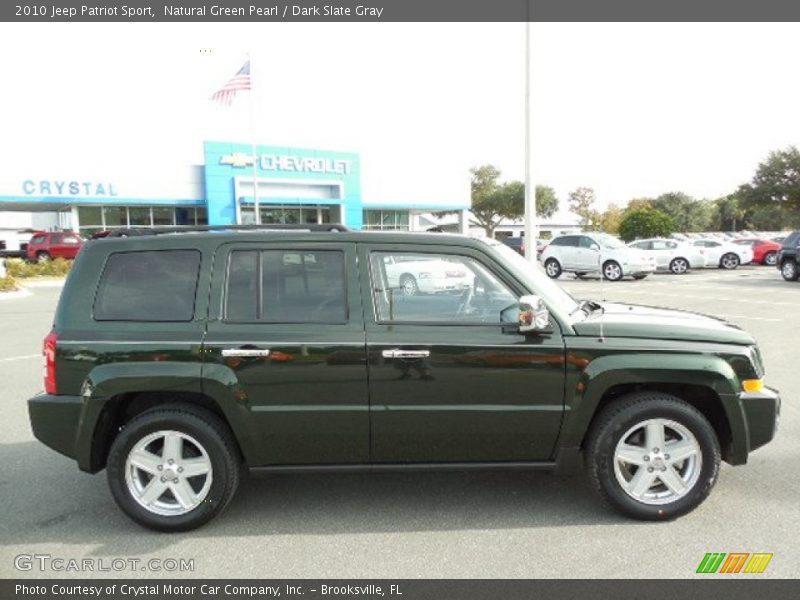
{"x": 140, "y": 231}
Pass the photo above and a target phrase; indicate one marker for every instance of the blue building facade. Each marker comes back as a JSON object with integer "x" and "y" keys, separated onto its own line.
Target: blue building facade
{"x": 237, "y": 183}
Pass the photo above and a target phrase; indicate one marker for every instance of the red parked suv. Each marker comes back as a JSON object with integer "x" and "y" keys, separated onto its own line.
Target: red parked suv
{"x": 765, "y": 252}
{"x": 45, "y": 245}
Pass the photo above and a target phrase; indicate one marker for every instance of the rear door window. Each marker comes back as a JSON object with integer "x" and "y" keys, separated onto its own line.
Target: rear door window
{"x": 286, "y": 286}
{"x": 148, "y": 285}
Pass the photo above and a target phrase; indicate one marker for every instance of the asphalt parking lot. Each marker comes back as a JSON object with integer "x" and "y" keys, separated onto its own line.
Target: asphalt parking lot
{"x": 421, "y": 525}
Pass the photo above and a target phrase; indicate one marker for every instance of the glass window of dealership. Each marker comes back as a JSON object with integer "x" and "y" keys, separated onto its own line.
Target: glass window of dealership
{"x": 292, "y": 186}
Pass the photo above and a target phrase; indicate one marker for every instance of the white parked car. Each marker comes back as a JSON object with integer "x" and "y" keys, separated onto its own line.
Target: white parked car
{"x": 421, "y": 274}
{"x": 723, "y": 254}
{"x": 673, "y": 255}
{"x": 596, "y": 252}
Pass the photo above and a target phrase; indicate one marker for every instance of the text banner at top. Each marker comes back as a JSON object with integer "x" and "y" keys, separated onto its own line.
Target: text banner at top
{"x": 401, "y": 10}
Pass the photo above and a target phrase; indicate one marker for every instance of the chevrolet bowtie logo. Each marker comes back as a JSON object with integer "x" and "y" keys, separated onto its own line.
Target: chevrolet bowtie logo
{"x": 237, "y": 159}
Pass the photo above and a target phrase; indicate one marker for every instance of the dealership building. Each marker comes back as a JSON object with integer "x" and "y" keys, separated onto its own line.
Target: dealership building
{"x": 292, "y": 185}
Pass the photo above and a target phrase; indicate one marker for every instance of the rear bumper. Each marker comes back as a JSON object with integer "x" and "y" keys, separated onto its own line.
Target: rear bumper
{"x": 55, "y": 421}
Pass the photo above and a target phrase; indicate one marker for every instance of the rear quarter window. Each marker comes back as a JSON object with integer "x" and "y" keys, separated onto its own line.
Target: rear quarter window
{"x": 157, "y": 285}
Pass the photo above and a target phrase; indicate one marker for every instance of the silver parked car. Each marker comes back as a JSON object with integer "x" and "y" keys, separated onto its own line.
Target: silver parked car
{"x": 673, "y": 255}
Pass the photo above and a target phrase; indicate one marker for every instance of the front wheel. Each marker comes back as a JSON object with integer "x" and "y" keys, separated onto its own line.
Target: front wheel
{"x": 729, "y": 261}
{"x": 612, "y": 271}
{"x": 789, "y": 270}
{"x": 652, "y": 456}
{"x": 173, "y": 468}
{"x": 42, "y": 256}
{"x": 552, "y": 268}
{"x": 771, "y": 259}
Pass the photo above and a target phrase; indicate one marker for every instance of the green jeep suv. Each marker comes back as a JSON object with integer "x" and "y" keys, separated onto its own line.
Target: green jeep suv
{"x": 180, "y": 360}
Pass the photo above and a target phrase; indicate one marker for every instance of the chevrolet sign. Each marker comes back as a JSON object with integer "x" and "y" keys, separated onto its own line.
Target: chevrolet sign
{"x": 286, "y": 163}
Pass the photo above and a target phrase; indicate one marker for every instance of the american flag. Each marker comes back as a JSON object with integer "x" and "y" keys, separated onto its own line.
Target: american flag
{"x": 239, "y": 82}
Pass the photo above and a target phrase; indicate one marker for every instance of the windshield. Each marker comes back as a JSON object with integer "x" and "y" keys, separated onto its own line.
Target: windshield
{"x": 535, "y": 279}
{"x": 608, "y": 241}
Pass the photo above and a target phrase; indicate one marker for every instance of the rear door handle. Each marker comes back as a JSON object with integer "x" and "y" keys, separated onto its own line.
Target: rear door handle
{"x": 398, "y": 353}
{"x": 246, "y": 352}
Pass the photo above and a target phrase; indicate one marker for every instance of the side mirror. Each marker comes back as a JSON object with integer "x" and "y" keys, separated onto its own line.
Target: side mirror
{"x": 594, "y": 247}
{"x": 533, "y": 314}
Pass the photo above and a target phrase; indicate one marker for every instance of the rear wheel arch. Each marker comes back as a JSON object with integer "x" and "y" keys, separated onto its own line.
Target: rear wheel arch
{"x": 122, "y": 408}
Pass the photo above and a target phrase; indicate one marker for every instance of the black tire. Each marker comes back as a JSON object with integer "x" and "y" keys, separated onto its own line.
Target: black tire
{"x": 42, "y": 256}
{"x": 553, "y": 268}
{"x": 618, "y": 419}
{"x": 679, "y": 266}
{"x": 409, "y": 285}
{"x": 771, "y": 259}
{"x": 729, "y": 261}
{"x": 789, "y": 270}
{"x": 204, "y": 427}
{"x": 612, "y": 271}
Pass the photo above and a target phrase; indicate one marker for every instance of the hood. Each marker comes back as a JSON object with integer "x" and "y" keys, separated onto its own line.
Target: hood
{"x": 632, "y": 321}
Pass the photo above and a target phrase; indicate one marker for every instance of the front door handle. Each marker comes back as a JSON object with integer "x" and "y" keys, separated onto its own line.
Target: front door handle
{"x": 398, "y": 353}
{"x": 246, "y": 352}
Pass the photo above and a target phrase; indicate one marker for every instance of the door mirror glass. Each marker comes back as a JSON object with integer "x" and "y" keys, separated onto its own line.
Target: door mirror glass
{"x": 533, "y": 314}
{"x": 594, "y": 246}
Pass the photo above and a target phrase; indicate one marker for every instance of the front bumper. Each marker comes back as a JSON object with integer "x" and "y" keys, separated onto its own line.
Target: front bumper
{"x": 55, "y": 421}
{"x": 762, "y": 411}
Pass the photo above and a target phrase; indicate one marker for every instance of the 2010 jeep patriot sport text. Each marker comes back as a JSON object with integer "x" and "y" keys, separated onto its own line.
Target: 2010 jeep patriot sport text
{"x": 178, "y": 360}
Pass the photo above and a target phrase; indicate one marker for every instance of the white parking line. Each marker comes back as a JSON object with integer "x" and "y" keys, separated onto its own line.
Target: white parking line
{"x": 20, "y": 357}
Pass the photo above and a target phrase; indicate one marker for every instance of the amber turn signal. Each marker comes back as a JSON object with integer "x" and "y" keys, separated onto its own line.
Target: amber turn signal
{"x": 752, "y": 385}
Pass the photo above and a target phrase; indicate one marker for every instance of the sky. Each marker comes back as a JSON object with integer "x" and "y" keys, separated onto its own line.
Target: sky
{"x": 630, "y": 110}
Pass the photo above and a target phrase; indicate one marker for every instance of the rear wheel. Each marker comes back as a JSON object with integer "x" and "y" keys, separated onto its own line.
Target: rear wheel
{"x": 652, "y": 456}
{"x": 552, "y": 268}
{"x": 729, "y": 261}
{"x": 612, "y": 271}
{"x": 771, "y": 259}
{"x": 789, "y": 270}
{"x": 678, "y": 266}
{"x": 173, "y": 468}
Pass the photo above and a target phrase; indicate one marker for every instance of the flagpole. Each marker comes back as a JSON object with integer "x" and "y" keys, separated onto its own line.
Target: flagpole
{"x": 256, "y": 204}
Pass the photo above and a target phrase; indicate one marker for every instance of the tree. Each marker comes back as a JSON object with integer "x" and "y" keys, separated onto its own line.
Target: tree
{"x": 546, "y": 201}
{"x": 580, "y": 202}
{"x": 644, "y": 223}
{"x": 772, "y": 198}
{"x": 687, "y": 213}
{"x": 727, "y": 213}
{"x": 492, "y": 202}
{"x": 777, "y": 180}
{"x": 611, "y": 218}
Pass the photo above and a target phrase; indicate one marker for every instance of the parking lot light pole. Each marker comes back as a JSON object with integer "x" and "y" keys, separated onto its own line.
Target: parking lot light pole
{"x": 531, "y": 233}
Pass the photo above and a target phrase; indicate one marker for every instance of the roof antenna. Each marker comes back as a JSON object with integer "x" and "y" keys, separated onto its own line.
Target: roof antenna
{"x": 602, "y": 298}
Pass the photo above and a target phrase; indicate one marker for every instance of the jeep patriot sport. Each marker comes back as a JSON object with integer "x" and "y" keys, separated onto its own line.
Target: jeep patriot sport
{"x": 180, "y": 359}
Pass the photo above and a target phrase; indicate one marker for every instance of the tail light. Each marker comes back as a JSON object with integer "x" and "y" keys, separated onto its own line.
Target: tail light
{"x": 50, "y": 363}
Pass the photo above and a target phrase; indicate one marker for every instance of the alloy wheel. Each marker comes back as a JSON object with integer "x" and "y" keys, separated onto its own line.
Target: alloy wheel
{"x": 771, "y": 259}
{"x": 679, "y": 266}
{"x": 730, "y": 261}
{"x": 612, "y": 271}
{"x": 168, "y": 473}
{"x": 657, "y": 461}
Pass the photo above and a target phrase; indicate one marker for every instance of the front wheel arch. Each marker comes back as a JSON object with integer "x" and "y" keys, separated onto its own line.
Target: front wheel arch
{"x": 701, "y": 397}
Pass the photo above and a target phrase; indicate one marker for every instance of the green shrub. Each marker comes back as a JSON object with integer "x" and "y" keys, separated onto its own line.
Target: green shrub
{"x": 21, "y": 269}
{"x": 8, "y": 284}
